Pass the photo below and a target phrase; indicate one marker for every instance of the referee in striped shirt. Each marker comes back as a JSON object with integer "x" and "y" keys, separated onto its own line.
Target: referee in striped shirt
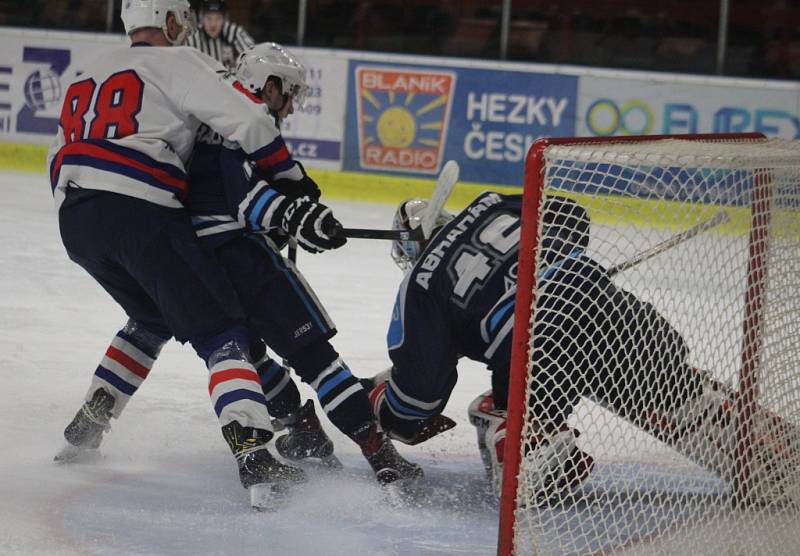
{"x": 217, "y": 36}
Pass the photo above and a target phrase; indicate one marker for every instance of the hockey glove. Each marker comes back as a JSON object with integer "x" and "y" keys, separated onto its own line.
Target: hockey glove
{"x": 312, "y": 225}
{"x": 423, "y": 430}
{"x": 293, "y": 189}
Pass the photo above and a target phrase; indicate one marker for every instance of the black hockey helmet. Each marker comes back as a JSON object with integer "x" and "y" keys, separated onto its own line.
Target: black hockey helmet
{"x": 220, "y": 6}
{"x": 565, "y": 228}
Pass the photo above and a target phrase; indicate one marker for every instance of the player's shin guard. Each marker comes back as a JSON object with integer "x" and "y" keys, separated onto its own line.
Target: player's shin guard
{"x": 126, "y": 364}
{"x": 280, "y": 391}
{"x": 341, "y": 395}
{"x": 345, "y": 402}
{"x": 233, "y": 382}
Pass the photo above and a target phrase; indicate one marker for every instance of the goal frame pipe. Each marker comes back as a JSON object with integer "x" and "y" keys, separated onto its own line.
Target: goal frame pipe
{"x": 747, "y": 398}
{"x": 533, "y": 186}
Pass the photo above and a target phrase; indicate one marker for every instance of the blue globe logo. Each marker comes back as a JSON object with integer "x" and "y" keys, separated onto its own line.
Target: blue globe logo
{"x": 42, "y": 88}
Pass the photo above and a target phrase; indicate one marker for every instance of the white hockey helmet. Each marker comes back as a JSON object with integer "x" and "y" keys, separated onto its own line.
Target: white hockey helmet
{"x": 269, "y": 59}
{"x": 138, "y": 14}
{"x": 409, "y": 217}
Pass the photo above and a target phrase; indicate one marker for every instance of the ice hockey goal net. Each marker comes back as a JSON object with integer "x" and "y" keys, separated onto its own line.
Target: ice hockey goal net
{"x": 706, "y": 463}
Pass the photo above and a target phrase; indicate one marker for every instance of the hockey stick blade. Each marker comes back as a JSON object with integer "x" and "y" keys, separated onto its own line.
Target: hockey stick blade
{"x": 444, "y": 186}
{"x": 718, "y": 219}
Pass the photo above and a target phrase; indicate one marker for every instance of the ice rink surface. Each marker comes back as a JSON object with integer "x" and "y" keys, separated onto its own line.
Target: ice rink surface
{"x": 166, "y": 483}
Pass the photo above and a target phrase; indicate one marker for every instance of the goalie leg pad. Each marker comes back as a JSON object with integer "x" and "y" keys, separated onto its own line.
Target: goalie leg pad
{"x": 490, "y": 424}
{"x": 704, "y": 429}
{"x": 553, "y": 463}
{"x": 555, "y": 466}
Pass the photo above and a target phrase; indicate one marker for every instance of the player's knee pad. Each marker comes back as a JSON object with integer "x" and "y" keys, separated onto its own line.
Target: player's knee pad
{"x": 233, "y": 343}
{"x": 491, "y": 431}
{"x": 146, "y": 338}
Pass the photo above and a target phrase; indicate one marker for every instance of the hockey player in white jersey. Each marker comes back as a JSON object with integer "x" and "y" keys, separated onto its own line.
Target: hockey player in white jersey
{"x": 281, "y": 308}
{"x": 127, "y": 127}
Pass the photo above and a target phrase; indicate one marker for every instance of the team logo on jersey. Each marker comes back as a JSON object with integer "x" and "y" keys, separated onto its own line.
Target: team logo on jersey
{"x": 402, "y": 117}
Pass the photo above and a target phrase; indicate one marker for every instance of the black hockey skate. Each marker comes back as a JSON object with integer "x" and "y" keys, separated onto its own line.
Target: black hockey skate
{"x": 306, "y": 438}
{"x": 389, "y": 466}
{"x": 267, "y": 479}
{"x": 85, "y": 431}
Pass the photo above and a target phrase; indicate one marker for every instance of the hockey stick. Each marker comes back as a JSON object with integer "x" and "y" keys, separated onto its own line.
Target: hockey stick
{"x": 291, "y": 254}
{"x": 444, "y": 186}
{"x": 718, "y": 219}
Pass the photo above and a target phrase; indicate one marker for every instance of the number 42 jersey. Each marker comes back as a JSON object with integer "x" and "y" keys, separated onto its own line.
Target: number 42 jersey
{"x": 458, "y": 300}
{"x": 128, "y": 124}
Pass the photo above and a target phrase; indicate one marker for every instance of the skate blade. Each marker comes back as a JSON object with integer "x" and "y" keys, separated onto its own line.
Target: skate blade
{"x": 268, "y": 497}
{"x": 75, "y": 454}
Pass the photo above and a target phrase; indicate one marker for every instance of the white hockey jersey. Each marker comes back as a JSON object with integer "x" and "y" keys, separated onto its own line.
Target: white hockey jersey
{"x": 128, "y": 124}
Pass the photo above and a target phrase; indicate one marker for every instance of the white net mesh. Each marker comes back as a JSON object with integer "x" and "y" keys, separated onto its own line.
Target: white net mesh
{"x": 657, "y": 421}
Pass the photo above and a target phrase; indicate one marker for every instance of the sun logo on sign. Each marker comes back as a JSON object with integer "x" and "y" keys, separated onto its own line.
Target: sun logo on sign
{"x": 397, "y": 128}
{"x": 402, "y": 118}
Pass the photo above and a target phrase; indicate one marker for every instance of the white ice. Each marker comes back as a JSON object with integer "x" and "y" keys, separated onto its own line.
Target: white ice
{"x": 166, "y": 483}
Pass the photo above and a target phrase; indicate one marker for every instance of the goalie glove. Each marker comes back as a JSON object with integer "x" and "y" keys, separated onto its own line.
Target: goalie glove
{"x": 417, "y": 432}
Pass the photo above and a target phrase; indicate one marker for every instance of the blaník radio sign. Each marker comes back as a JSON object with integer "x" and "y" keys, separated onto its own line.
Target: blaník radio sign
{"x": 402, "y": 117}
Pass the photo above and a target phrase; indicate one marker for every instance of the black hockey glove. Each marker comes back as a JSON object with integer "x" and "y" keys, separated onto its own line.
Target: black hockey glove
{"x": 293, "y": 189}
{"x": 312, "y": 225}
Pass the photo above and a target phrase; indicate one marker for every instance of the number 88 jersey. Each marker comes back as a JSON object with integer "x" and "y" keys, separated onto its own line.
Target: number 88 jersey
{"x": 128, "y": 123}
{"x": 458, "y": 300}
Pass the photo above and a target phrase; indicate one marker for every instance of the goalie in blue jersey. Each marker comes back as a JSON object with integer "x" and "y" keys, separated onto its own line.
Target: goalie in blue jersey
{"x": 591, "y": 337}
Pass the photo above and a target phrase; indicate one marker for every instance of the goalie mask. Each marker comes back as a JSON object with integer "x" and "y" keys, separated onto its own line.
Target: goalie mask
{"x": 269, "y": 59}
{"x": 565, "y": 229}
{"x": 409, "y": 217}
{"x": 140, "y": 14}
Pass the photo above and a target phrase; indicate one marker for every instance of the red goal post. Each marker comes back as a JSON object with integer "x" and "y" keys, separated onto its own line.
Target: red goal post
{"x": 535, "y": 188}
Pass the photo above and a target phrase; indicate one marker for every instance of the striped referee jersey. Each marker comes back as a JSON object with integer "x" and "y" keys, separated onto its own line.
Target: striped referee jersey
{"x": 226, "y": 48}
